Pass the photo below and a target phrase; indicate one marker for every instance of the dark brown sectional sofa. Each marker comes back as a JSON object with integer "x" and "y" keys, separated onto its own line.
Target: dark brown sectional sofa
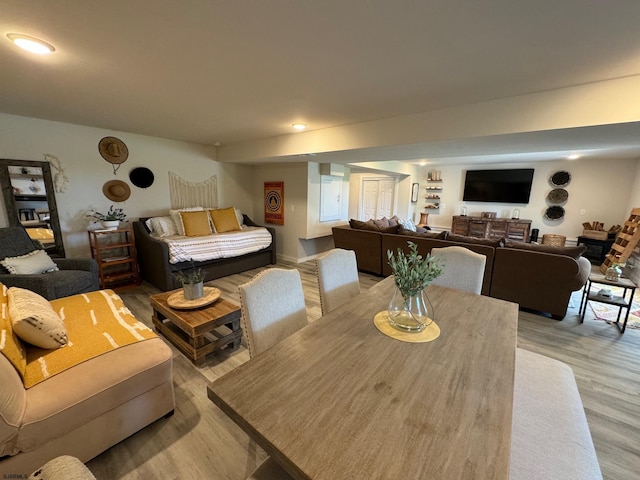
{"x": 537, "y": 277}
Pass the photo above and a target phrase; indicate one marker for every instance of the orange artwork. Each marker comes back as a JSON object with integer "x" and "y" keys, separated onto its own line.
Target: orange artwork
{"x": 274, "y": 202}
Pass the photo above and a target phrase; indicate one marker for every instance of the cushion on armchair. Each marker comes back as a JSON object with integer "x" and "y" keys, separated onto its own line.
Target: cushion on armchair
{"x": 36, "y": 261}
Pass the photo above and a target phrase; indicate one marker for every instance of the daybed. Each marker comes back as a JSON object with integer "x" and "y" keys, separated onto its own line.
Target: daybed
{"x": 64, "y": 401}
{"x": 156, "y": 268}
{"x": 537, "y": 277}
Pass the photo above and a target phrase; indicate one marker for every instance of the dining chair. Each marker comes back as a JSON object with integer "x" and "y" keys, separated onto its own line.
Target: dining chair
{"x": 273, "y": 307}
{"x": 463, "y": 269}
{"x": 338, "y": 280}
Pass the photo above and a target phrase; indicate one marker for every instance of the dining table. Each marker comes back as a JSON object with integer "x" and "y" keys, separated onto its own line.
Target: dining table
{"x": 341, "y": 400}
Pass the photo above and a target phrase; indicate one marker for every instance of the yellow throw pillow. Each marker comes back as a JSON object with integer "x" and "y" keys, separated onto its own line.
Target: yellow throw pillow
{"x": 195, "y": 223}
{"x": 34, "y": 320}
{"x": 10, "y": 345}
{"x": 224, "y": 220}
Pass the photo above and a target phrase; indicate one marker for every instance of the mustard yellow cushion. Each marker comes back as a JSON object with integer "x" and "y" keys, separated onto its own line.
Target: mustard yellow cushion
{"x": 10, "y": 345}
{"x": 224, "y": 220}
{"x": 34, "y": 320}
{"x": 195, "y": 223}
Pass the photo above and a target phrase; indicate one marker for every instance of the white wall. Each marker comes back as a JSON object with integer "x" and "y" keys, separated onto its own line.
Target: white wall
{"x": 604, "y": 190}
{"x": 76, "y": 147}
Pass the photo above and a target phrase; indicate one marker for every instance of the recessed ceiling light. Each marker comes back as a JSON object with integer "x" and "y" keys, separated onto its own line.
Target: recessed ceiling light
{"x": 31, "y": 44}
{"x": 299, "y": 126}
{"x": 573, "y": 156}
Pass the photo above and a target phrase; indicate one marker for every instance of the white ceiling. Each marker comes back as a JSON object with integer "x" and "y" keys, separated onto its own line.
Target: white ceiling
{"x": 228, "y": 71}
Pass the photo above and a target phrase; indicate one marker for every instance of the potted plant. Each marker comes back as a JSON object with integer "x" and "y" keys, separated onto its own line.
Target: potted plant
{"x": 412, "y": 273}
{"x": 111, "y": 219}
{"x": 192, "y": 281}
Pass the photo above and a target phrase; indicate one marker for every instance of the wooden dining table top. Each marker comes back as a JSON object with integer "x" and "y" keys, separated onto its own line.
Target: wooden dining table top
{"x": 340, "y": 400}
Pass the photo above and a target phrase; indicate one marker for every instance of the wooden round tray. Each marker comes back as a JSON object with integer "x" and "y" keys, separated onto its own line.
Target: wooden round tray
{"x": 177, "y": 300}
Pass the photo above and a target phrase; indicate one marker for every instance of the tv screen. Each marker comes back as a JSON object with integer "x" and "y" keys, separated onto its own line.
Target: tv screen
{"x": 499, "y": 186}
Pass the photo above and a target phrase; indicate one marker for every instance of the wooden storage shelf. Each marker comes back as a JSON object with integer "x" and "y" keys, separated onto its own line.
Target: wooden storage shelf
{"x": 115, "y": 252}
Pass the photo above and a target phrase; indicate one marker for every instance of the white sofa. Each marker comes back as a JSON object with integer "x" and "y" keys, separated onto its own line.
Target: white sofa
{"x": 87, "y": 408}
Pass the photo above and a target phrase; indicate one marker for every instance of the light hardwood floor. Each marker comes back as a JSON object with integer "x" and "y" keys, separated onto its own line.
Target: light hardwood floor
{"x": 199, "y": 441}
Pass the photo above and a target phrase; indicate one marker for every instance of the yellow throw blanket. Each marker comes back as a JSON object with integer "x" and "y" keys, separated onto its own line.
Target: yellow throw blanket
{"x": 96, "y": 323}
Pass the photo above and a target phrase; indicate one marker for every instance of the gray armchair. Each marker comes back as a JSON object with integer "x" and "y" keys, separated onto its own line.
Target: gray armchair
{"x": 76, "y": 275}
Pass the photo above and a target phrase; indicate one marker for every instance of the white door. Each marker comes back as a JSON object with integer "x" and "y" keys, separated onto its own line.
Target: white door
{"x": 378, "y": 195}
{"x": 386, "y": 194}
{"x": 369, "y": 199}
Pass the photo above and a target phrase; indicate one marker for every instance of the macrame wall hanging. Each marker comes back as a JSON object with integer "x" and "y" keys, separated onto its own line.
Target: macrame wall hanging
{"x": 184, "y": 194}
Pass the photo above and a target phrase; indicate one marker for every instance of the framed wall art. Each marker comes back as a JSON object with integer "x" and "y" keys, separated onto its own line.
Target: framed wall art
{"x": 274, "y": 202}
{"x": 415, "y": 189}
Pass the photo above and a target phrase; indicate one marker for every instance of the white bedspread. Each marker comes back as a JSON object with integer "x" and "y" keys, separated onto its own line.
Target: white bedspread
{"x": 218, "y": 245}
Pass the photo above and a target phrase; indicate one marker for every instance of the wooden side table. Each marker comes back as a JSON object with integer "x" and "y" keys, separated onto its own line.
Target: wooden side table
{"x": 616, "y": 300}
{"x": 199, "y": 331}
{"x": 115, "y": 252}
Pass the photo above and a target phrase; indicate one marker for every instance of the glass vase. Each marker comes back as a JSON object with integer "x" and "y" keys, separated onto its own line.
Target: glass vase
{"x": 613, "y": 273}
{"x": 408, "y": 314}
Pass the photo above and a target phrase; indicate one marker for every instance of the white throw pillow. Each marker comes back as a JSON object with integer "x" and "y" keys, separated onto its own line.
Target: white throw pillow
{"x": 34, "y": 320}
{"x": 408, "y": 224}
{"x": 34, "y": 262}
{"x": 177, "y": 219}
{"x": 162, "y": 226}
{"x": 239, "y": 216}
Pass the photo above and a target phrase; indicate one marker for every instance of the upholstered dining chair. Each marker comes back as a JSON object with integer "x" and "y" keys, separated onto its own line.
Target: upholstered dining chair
{"x": 463, "y": 269}
{"x": 273, "y": 307}
{"x": 338, "y": 280}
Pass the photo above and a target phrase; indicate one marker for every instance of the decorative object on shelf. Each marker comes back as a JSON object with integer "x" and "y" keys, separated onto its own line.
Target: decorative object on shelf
{"x": 464, "y": 211}
{"x": 560, "y": 179}
{"x": 412, "y": 273}
{"x": 554, "y": 213}
{"x": 415, "y": 187}
{"x": 488, "y": 215}
{"x": 114, "y": 151}
{"x": 116, "y": 190}
{"x": 515, "y": 215}
{"x": 557, "y": 196}
{"x": 192, "y": 281}
{"x": 111, "y": 219}
{"x": 613, "y": 272}
{"x": 141, "y": 177}
{"x": 434, "y": 176}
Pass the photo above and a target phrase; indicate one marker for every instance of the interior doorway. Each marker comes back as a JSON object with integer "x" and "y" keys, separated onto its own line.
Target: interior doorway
{"x": 378, "y": 198}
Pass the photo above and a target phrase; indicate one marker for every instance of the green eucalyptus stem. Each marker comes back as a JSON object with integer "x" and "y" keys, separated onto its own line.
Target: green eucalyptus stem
{"x": 411, "y": 272}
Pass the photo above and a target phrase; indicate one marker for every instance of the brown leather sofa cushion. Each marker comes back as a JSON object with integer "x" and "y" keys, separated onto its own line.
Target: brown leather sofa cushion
{"x": 475, "y": 241}
{"x": 422, "y": 234}
{"x": 370, "y": 225}
{"x": 574, "y": 252}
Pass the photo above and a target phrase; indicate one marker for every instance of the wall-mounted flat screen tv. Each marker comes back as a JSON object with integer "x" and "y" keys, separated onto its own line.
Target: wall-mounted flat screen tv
{"x": 499, "y": 186}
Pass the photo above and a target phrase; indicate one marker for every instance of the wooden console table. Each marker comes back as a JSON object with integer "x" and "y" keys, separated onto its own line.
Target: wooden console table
{"x": 509, "y": 228}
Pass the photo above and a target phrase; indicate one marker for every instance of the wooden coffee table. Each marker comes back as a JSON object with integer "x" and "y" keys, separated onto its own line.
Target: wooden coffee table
{"x": 199, "y": 331}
